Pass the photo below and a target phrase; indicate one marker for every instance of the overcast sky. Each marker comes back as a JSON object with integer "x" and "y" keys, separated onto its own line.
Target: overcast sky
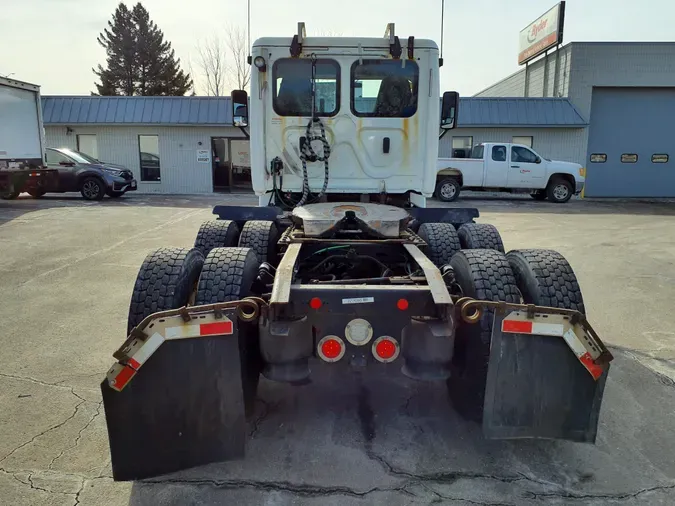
{"x": 53, "y": 42}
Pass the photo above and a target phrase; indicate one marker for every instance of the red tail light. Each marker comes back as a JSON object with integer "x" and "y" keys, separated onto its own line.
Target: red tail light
{"x": 402, "y": 304}
{"x": 331, "y": 348}
{"x": 385, "y": 349}
{"x": 315, "y": 303}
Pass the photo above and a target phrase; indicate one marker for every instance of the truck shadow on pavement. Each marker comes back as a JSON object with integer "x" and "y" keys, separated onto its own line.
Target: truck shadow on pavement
{"x": 375, "y": 437}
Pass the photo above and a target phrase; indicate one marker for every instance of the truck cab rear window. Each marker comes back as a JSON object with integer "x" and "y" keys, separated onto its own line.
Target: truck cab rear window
{"x": 293, "y": 87}
{"x": 384, "y": 88}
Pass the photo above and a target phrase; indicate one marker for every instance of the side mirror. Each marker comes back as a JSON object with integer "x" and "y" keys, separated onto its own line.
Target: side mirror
{"x": 538, "y": 160}
{"x": 449, "y": 110}
{"x": 239, "y": 108}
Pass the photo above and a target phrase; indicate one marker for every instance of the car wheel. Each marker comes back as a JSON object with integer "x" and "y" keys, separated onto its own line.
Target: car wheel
{"x": 559, "y": 190}
{"x": 9, "y": 195}
{"x": 36, "y": 194}
{"x": 92, "y": 189}
{"x": 447, "y": 190}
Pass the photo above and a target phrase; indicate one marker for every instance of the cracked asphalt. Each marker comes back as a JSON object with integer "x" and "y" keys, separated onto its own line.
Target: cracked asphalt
{"x": 351, "y": 436}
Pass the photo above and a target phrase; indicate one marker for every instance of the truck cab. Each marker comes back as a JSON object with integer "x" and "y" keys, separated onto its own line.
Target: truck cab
{"x": 369, "y": 107}
{"x": 503, "y": 166}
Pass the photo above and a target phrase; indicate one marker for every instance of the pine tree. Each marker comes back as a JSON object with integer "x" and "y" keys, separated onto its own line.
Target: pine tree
{"x": 140, "y": 61}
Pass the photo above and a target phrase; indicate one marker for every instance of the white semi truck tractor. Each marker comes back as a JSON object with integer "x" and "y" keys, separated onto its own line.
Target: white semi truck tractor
{"x": 342, "y": 262}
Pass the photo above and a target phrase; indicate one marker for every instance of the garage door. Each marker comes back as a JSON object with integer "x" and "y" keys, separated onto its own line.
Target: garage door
{"x": 631, "y": 144}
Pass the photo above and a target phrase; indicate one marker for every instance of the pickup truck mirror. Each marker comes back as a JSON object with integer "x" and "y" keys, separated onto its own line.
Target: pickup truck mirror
{"x": 239, "y": 108}
{"x": 449, "y": 110}
{"x": 538, "y": 160}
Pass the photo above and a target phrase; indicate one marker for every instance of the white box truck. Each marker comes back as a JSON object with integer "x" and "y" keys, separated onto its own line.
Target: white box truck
{"x": 22, "y": 144}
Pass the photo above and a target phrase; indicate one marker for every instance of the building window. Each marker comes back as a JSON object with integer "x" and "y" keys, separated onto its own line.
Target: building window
{"x": 660, "y": 158}
{"x": 598, "y": 158}
{"x": 525, "y": 140}
{"x": 499, "y": 153}
{"x": 461, "y": 146}
{"x": 86, "y": 143}
{"x": 629, "y": 158}
{"x": 293, "y": 87}
{"x": 384, "y": 88}
{"x": 148, "y": 147}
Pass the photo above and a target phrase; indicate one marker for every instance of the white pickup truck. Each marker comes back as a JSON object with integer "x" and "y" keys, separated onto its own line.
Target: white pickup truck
{"x": 506, "y": 167}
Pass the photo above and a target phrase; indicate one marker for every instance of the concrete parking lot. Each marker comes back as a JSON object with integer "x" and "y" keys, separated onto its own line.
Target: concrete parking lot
{"x": 67, "y": 268}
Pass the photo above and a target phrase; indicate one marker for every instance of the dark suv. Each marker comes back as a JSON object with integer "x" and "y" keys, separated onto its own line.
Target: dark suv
{"x": 89, "y": 176}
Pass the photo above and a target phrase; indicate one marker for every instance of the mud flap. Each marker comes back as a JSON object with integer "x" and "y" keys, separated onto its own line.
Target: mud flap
{"x": 184, "y": 408}
{"x": 537, "y": 388}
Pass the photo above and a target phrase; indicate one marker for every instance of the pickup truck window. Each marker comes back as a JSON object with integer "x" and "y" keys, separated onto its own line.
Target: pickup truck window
{"x": 522, "y": 155}
{"x": 293, "y": 87}
{"x": 499, "y": 153}
{"x": 384, "y": 88}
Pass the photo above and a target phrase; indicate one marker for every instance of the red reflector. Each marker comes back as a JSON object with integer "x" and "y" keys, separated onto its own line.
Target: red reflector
{"x": 134, "y": 363}
{"x": 331, "y": 348}
{"x": 315, "y": 303}
{"x": 214, "y": 329}
{"x": 385, "y": 349}
{"x": 402, "y": 304}
{"x": 123, "y": 377}
{"x": 595, "y": 370}
{"x": 517, "y": 326}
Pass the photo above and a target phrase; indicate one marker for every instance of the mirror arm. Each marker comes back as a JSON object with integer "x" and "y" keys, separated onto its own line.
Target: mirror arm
{"x": 443, "y": 132}
{"x": 248, "y": 137}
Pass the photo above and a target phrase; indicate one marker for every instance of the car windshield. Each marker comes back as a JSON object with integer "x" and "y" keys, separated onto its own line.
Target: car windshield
{"x": 78, "y": 156}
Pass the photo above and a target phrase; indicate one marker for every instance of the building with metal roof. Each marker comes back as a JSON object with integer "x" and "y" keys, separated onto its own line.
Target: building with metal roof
{"x": 200, "y": 151}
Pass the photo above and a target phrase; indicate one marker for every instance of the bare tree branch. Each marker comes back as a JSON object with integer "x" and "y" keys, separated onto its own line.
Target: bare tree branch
{"x": 213, "y": 64}
{"x": 239, "y": 71}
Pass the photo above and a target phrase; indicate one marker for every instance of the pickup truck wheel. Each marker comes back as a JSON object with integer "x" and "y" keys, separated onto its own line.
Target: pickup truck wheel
{"x": 482, "y": 274}
{"x": 92, "y": 189}
{"x": 447, "y": 190}
{"x": 559, "y": 190}
{"x": 228, "y": 274}
{"x": 545, "y": 278}
{"x": 166, "y": 280}
{"x": 442, "y": 242}
{"x": 216, "y": 234}
{"x": 36, "y": 194}
{"x": 538, "y": 195}
{"x": 480, "y": 236}
{"x": 9, "y": 195}
{"x": 261, "y": 236}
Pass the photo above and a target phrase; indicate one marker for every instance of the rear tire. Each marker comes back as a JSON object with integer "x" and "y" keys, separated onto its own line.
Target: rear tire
{"x": 559, "y": 190}
{"x": 447, "y": 189}
{"x": 480, "y": 236}
{"x": 228, "y": 274}
{"x": 92, "y": 189}
{"x": 485, "y": 275}
{"x": 9, "y": 195}
{"x": 545, "y": 278}
{"x": 261, "y": 237}
{"x": 442, "y": 242}
{"x": 36, "y": 194}
{"x": 166, "y": 280}
{"x": 216, "y": 234}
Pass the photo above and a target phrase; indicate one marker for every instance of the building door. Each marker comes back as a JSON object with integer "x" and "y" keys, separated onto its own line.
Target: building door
{"x": 231, "y": 164}
{"x": 631, "y": 144}
{"x": 220, "y": 159}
